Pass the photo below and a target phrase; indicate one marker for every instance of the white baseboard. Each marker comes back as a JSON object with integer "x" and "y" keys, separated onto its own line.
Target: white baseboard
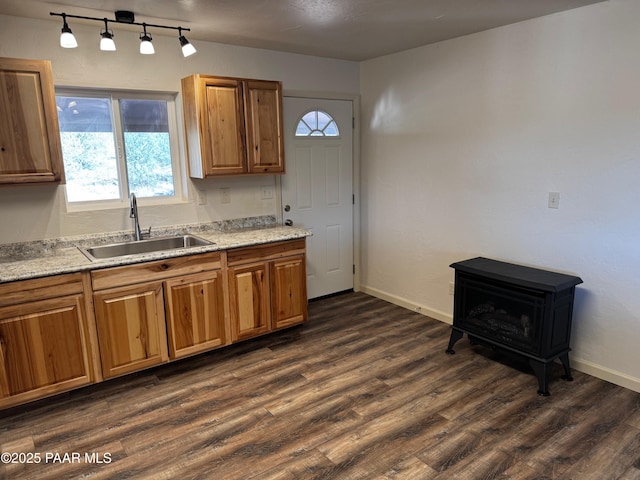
{"x": 603, "y": 373}
{"x": 403, "y": 302}
{"x": 584, "y": 366}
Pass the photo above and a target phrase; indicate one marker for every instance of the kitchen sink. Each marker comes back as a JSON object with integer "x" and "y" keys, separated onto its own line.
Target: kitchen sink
{"x": 151, "y": 245}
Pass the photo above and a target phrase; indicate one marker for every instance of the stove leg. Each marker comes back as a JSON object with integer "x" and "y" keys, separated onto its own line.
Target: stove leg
{"x": 564, "y": 358}
{"x": 543, "y": 372}
{"x": 455, "y": 336}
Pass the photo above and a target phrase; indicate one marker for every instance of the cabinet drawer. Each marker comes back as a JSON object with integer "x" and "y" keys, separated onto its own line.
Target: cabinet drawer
{"x": 40, "y": 289}
{"x": 269, "y": 251}
{"x": 151, "y": 271}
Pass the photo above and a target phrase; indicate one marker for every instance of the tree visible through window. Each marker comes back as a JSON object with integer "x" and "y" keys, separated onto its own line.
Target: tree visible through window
{"x": 113, "y": 145}
{"x": 317, "y": 123}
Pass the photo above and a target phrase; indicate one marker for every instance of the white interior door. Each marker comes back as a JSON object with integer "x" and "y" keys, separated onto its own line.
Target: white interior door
{"x": 317, "y": 189}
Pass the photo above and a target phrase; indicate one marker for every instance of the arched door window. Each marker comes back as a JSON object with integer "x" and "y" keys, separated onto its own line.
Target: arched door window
{"x": 317, "y": 123}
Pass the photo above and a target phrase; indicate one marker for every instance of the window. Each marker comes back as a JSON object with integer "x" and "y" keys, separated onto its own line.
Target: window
{"x": 317, "y": 123}
{"x": 114, "y": 144}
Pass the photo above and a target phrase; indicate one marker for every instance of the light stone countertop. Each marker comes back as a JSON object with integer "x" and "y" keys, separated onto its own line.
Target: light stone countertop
{"x": 21, "y": 261}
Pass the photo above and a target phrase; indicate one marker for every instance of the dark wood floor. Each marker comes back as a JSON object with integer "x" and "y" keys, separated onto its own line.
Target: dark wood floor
{"x": 363, "y": 390}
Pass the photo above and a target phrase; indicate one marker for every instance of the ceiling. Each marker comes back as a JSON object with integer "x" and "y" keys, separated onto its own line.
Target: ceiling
{"x": 344, "y": 29}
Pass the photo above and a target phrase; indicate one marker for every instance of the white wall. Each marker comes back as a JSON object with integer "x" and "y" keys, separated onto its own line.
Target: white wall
{"x": 36, "y": 212}
{"x": 462, "y": 142}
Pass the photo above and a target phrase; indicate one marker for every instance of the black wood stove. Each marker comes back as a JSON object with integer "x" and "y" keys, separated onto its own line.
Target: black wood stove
{"x": 521, "y": 310}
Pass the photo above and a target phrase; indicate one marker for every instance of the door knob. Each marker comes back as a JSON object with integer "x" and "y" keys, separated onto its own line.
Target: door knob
{"x": 287, "y": 208}
{"x": 288, "y": 222}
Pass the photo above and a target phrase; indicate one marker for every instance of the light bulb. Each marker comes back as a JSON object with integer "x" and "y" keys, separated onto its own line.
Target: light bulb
{"x": 67, "y": 40}
{"x": 187, "y": 47}
{"x": 106, "y": 42}
{"x": 146, "y": 47}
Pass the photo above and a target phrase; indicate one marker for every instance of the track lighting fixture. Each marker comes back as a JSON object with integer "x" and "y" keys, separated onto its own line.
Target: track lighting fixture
{"x": 106, "y": 39}
{"x": 67, "y": 40}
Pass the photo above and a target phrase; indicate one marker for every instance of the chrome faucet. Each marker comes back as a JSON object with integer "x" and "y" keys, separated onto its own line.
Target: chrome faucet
{"x": 133, "y": 213}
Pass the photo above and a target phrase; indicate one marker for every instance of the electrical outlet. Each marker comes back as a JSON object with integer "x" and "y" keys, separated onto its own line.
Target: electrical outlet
{"x": 554, "y": 199}
{"x": 267, "y": 192}
{"x": 225, "y": 195}
{"x": 451, "y": 288}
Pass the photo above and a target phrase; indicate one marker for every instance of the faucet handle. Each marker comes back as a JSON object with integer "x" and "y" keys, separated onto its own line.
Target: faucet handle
{"x": 146, "y": 233}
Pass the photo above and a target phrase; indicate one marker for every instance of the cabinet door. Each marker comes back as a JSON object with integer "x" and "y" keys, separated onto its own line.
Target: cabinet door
{"x": 225, "y": 131}
{"x": 265, "y": 144}
{"x": 30, "y": 148}
{"x": 131, "y": 328}
{"x": 195, "y": 313}
{"x": 249, "y": 301}
{"x": 43, "y": 348}
{"x": 288, "y": 292}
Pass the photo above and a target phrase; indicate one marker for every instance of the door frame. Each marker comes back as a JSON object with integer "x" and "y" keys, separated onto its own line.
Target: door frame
{"x": 355, "y": 99}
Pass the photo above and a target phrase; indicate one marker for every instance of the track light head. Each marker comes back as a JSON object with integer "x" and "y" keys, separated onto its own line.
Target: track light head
{"x": 187, "y": 48}
{"x": 67, "y": 40}
{"x": 106, "y": 39}
{"x": 146, "y": 47}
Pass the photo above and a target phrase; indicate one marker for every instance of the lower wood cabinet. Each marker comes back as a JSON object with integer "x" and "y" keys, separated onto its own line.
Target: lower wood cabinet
{"x": 61, "y": 332}
{"x": 181, "y": 296}
{"x": 288, "y": 291}
{"x": 267, "y": 288}
{"x": 249, "y": 300}
{"x": 131, "y": 328}
{"x": 195, "y": 313}
{"x": 46, "y": 346}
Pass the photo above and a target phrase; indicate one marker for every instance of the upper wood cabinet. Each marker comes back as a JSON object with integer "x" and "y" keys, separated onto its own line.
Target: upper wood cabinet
{"x": 30, "y": 148}
{"x": 233, "y": 126}
{"x": 263, "y": 113}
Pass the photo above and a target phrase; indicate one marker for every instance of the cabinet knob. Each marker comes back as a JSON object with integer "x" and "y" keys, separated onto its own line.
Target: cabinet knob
{"x": 287, "y": 208}
{"x": 288, "y": 222}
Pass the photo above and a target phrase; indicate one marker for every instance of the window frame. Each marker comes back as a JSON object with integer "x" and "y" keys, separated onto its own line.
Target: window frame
{"x": 323, "y": 136}
{"x": 175, "y": 142}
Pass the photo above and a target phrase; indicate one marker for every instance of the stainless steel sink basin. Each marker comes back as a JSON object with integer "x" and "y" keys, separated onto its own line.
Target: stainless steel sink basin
{"x": 143, "y": 246}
